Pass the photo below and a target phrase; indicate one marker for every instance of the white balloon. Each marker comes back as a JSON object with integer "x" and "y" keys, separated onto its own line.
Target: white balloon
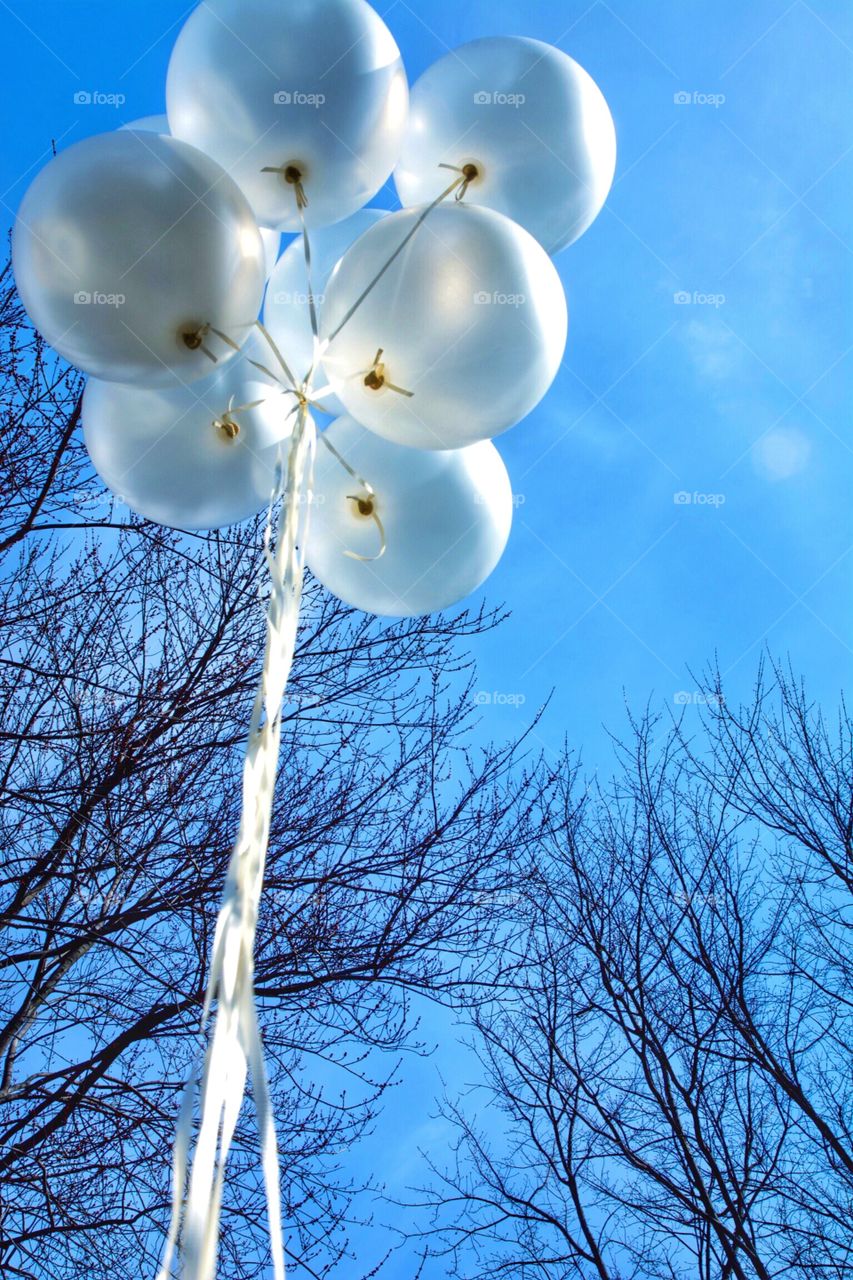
{"x": 286, "y": 309}
{"x": 149, "y": 124}
{"x": 271, "y": 239}
{"x": 168, "y": 454}
{"x": 446, "y": 519}
{"x": 534, "y": 125}
{"x": 128, "y": 242}
{"x": 316, "y": 86}
{"x": 470, "y": 318}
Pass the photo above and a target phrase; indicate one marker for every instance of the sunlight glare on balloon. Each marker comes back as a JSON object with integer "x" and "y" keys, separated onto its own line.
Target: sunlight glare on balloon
{"x": 128, "y": 246}
{"x": 470, "y": 321}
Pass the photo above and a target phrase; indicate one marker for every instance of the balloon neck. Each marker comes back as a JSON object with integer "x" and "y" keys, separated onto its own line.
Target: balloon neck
{"x": 364, "y": 505}
{"x": 469, "y": 172}
{"x": 227, "y": 428}
{"x": 294, "y": 175}
{"x": 377, "y": 377}
{"x": 193, "y": 339}
{"x": 364, "y": 508}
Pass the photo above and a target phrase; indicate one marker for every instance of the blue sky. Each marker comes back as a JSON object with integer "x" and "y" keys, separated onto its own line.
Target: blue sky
{"x": 742, "y": 393}
{"x": 738, "y": 397}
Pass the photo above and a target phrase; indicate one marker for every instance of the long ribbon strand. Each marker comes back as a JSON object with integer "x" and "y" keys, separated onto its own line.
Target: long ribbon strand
{"x": 235, "y": 1048}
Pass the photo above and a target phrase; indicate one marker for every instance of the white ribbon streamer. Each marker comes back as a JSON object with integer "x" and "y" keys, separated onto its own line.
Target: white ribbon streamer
{"x": 236, "y": 1048}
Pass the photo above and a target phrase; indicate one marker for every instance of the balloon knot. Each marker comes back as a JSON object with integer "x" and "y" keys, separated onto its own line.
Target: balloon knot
{"x": 365, "y": 509}
{"x": 193, "y": 340}
{"x": 470, "y": 172}
{"x": 365, "y": 506}
{"x": 293, "y": 176}
{"x": 227, "y": 427}
{"x": 376, "y": 377}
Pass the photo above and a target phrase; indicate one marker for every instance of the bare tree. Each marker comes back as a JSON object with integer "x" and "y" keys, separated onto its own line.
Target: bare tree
{"x": 128, "y": 661}
{"x": 674, "y": 1065}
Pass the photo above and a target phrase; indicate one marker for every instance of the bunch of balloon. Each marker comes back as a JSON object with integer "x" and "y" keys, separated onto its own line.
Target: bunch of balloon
{"x": 143, "y": 257}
